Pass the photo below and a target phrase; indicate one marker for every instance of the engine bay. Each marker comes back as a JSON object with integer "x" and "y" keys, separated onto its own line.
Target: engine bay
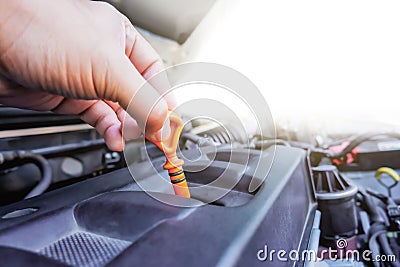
{"x": 309, "y": 182}
{"x": 69, "y": 201}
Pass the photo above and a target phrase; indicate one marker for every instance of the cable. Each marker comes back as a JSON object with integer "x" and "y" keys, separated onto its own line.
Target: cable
{"x": 374, "y": 246}
{"x": 371, "y": 207}
{"x": 360, "y": 139}
{"x": 377, "y": 230}
{"x": 382, "y": 213}
{"x": 386, "y": 199}
{"x": 45, "y": 170}
{"x": 12, "y": 158}
{"x": 387, "y": 250}
{"x": 324, "y": 152}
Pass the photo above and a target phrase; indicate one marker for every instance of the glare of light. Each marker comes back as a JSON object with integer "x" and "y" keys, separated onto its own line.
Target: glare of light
{"x": 313, "y": 60}
{"x": 230, "y": 100}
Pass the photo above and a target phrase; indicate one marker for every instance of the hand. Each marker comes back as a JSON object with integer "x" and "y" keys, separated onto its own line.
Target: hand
{"x": 81, "y": 57}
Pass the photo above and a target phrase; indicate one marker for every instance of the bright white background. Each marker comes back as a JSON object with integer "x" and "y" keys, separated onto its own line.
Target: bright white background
{"x": 332, "y": 65}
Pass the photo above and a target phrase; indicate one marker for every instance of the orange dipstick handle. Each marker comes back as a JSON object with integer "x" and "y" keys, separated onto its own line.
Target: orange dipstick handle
{"x": 173, "y": 164}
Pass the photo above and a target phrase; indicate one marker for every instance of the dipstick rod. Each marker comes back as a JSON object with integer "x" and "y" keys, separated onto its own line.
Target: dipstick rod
{"x": 173, "y": 164}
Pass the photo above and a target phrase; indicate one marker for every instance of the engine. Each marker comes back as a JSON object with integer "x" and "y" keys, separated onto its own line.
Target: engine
{"x": 68, "y": 201}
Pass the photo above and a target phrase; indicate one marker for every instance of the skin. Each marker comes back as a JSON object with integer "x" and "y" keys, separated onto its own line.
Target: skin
{"x": 82, "y": 57}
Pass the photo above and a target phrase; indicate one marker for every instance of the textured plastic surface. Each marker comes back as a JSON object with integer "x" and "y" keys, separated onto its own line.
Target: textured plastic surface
{"x": 84, "y": 249}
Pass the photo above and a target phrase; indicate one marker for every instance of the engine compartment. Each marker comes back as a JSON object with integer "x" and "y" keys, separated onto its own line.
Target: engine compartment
{"x": 115, "y": 211}
{"x": 310, "y": 198}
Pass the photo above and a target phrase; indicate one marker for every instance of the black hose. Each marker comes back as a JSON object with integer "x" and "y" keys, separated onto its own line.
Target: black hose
{"x": 374, "y": 246}
{"x": 45, "y": 169}
{"x": 10, "y": 159}
{"x": 386, "y": 199}
{"x": 382, "y": 213}
{"x": 387, "y": 250}
{"x": 371, "y": 208}
{"x": 377, "y": 231}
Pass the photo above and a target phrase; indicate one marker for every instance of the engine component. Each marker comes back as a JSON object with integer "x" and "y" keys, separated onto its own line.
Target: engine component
{"x": 173, "y": 164}
{"x": 368, "y": 151}
{"x": 392, "y": 173}
{"x": 114, "y": 217}
{"x": 12, "y": 158}
{"x": 336, "y": 201}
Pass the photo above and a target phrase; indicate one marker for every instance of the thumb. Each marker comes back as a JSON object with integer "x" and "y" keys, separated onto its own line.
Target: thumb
{"x": 125, "y": 85}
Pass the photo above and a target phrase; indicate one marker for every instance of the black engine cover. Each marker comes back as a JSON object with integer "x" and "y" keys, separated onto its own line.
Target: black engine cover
{"x": 95, "y": 223}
